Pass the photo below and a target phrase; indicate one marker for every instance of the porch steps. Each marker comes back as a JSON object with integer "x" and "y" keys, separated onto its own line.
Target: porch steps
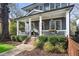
{"x": 31, "y": 40}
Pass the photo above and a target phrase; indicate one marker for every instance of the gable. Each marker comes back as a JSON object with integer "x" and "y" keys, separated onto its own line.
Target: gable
{"x": 34, "y": 11}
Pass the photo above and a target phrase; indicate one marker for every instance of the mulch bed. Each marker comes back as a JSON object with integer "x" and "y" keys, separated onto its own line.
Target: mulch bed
{"x": 39, "y": 52}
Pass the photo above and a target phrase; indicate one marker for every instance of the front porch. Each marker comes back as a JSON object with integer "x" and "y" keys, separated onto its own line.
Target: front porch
{"x": 46, "y": 23}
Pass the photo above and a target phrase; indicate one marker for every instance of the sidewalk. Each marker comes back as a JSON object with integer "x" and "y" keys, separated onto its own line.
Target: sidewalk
{"x": 20, "y": 48}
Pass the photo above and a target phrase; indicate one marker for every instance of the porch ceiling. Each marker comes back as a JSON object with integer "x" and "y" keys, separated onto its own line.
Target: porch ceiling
{"x": 48, "y": 15}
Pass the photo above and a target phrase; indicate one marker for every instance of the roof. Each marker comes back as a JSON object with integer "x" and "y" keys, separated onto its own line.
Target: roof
{"x": 48, "y": 11}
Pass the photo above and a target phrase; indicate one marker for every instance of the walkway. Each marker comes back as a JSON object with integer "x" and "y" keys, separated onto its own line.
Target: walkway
{"x": 18, "y": 49}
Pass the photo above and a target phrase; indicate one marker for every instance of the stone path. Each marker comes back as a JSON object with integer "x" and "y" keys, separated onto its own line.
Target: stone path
{"x": 18, "y": 49}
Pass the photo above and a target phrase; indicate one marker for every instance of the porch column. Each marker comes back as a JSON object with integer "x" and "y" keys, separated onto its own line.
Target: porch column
{"x": 67, "y": 23}
{"x": 25, "y": 27}
{"x": 17, "y": 27}
{"x": 40, "y": 25}
{"x": 29, "y": 26}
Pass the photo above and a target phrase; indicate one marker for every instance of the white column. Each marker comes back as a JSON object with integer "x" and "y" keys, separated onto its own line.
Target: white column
{"x": 17, "y": 27}
{"x": 29, "y": 26}
{"x": 40, "y": 25}
{"x": 25, "y": 27}
{"x": 67, "y": 23}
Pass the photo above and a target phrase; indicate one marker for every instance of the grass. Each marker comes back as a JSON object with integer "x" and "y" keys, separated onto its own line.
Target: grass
{"x": 5, "y": 47}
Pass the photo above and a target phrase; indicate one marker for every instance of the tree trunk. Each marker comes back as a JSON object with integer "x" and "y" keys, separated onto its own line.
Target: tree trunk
{"x": 5, "y": 24}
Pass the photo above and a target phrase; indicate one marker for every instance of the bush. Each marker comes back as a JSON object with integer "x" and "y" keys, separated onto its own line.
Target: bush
{"x": 36, "y": 42}
{"x": 13, "y": 37}
{"x": 12, "y": 27}
{"x": 56, "y": 39}
{"x": 53, "y": 39}
{"x": 48, "y": 47}
{"x": 60, "y": 48}
{"x": 61, "y": 38}
{"x": 41, "y": 41}
{"x": 19, "y": 38}
{"x": 43, "y": 38}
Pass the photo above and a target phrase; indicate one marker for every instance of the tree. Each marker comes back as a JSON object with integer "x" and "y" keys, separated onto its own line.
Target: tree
{"x": 4, "y": 19}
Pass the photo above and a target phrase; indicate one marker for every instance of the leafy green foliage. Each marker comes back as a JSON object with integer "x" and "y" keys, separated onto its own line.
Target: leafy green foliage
{"x": 48, "y": 47}
{"x": 60, "y": 48}
{"x": 19, "y": 38}
{"x": 52, "y": 39}
{"x": 51, "y": 43}
{"x": 42, "y": 40}
{"x": 12, "y": 27}
{"x": 22, "y": 26}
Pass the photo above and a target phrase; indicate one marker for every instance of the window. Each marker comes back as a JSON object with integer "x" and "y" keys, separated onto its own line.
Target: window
{"x": 57, "y": 5}
{"x": 46, "y": 6}
{"x": 37, "y": 7}
{"x": 63, "y": 4}
{"x": 35, "y": 24}
{"x": 56, "y": 24}
{"x": 45, "y": 25}
{"x": 52, "y": 5}
{"x": 68, "y": 4}
{"x": 41, "y": 7}
{"x": 52, "y": 24}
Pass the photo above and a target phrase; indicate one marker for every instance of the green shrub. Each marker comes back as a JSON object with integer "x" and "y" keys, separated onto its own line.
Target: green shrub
{"x": 42, "y": 40}
{"x": 53, "y": 39}
{"x": 13, "y": 37}
{"x": 12, "y": 27}
{"x": 60, "y": 48}
{"x": 48, "y": 47}
{"x": 61, "y": 38}
{"x": 18, "y": 38}
{"x": 36, "y": 42}
{"x": 56, "y": 39}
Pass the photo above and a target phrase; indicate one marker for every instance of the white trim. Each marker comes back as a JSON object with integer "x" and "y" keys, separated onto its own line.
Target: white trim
{"x": 40, "y": 25}
{"x": 17, "y": 27}
{"x": 49, "y": 6}
{"x": 55, "y": 6}
{"x": 67, "y": 23}
{"x": 29, "y": 26}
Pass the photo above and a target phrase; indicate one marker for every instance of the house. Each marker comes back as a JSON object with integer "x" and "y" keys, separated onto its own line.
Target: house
{"x": 46, "y": 19}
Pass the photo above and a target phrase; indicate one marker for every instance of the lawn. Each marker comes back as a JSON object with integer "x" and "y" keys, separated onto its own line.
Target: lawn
{"x": 5, "y": 47}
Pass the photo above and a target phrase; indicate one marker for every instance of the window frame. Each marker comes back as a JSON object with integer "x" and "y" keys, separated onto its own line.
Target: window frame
{"x": 50, "y": 24}
{"x": 53, "y": 6}
{"x": 46, "y": 7}
{"x": 57, "y": 5}
{"x": 55, "y": 24}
